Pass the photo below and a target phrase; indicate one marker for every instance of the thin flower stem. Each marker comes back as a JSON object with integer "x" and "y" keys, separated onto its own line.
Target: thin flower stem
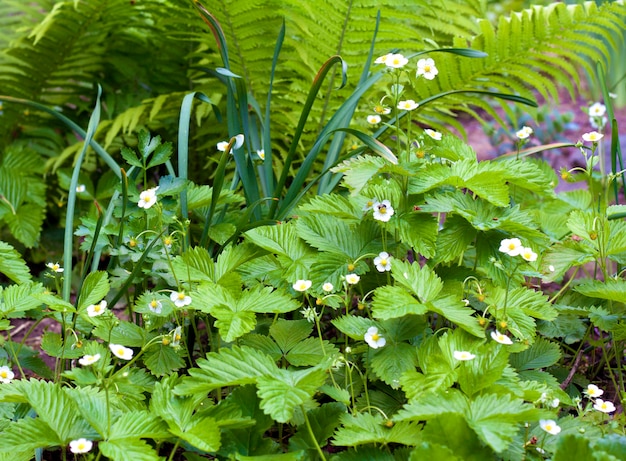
{"x": 171, "y": 457}
{"x": 312, "y": 434}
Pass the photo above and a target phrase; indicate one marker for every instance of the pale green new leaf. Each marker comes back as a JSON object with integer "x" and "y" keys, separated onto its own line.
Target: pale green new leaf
{"x": 333, "y": 235}
{"x": 128, "y": 450}
{"x": 357, "y": 171}
{"x": 228, "y": 367}
{"x": 393, "y": 302}
{"x": 432, "y": 405}
{"x": 25, "y": 224}
{"x": 233, "y": 324}
{"x": 12, "y": 265}
{"x": 365, "y": 428}
{"x": 281, "y": 239}
{"x": 21, "y": 298}
{"x": 416, "y": 384}
{"x": 94, "y": 289}
{"x": 285, "y": 390}
{"x": 195, "y": 264}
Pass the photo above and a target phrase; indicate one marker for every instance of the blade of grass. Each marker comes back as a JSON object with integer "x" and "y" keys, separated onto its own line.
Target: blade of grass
{"x": 68, "y": 239}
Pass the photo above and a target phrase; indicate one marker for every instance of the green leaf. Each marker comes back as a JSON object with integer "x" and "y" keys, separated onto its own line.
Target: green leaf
{"x": 162, "y": 360}
{"x": 419, "y": 230}
{"x": 28, "y": 434}
{"x": 392, "y": 361}
{"x": 128, "y": 450}
{"x": 323, "y": 420}
{"x": 161, "y": 154}
{"x": 611, "y": 289}
{"x": 459, "y": 314}
{"x": 484, "y": 370}
{"x": 52, "y": 344}
{"x": 288, "y": 333}
{"x": 433, "y": 452}
{"x": 354, "y": 327}
{"x": 393, "y": 302}
{"x": 12, "y": 265}
{"x": 541, "y": 354}
{"x": 309, "y": 352}
{"x": 20, "y": 298}
{"x": 203, "y": 433}
{"x": 92, "y": 403}
{"x": 131, "y": 157}
{"x": 233, "y": 324}
{"x": 282, "y": 392}
{"x": 365, "y": 428}
{"x": 572, "y": 446}
{"x": 416, "y": 384}
{"x": 421, "y": 281}
{"x": 95, "y": 288}
{"x": 335, "y": 205}
{"x": 603, "y": 319}
{"x": 196, "y": 264}
{"x": 124, "y": 333}
{"x": 229, "y": 367}
{"x": 25, "y": 224}
{"x": 452, "y": 431}
{"x": 137, "y": 425}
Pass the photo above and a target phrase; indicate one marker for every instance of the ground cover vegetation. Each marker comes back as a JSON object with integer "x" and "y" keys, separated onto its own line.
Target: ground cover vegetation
{"x": 254, "y": 230}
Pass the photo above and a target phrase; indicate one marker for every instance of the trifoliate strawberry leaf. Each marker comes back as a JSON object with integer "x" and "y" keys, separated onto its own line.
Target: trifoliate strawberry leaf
{"x": 333, "y": 235}
{"x": 92, "y": 403}
{"x": 233, "y": 324}
{"x": 455, "y": 237}
{"x": 416, "y": 384}
{"x": 20, "y": 298}
{"x": 162, "y": 360}
{"x": 131, "y": 157}
{"x": 285, "y": 390}
{"x": 25, "y": 223}
{"x": 484, "y": 370}
{"x": 288, "y": 333}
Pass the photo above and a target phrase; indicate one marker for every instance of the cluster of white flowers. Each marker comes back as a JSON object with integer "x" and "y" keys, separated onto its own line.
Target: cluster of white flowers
{"x": 524, "y": 132}
{"x": 513, "y": 247}
{"x": 593, "y": 392}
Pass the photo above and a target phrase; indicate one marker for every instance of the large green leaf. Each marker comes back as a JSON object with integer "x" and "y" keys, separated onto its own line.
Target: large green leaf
{"x": 94, "y": 289}
{"x": 20, "y": 298}
{"x": 128, "y": 450}
{"x": 25, "y": 224}
{"x": 456, "y": 312}
{"x": 28, "y": 434}
{"x": 138, "y": 425}
{"x": 393, "y": 302}
{"x": 392, "y": 361}
{"x": 421, "y": 281}
{"x": 541, "y": 354}
{"x": 323, "y": 421}
{"x": 285, "y": 390}
{"x": 203, "y": 433}
{"x": 365, "y": 428}
{"x": 12, "y": 265}
{"x": 229, "y": 367}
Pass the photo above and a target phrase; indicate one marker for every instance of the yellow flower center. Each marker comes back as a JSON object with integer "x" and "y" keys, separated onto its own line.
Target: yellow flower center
{"x": 382, "y": 209}
{"x": 154, "y": 303}
{"x": 132, "y": 243}
{"x": 181, "y": 296}
{"x": 383, "y": 262}
{"x": 4, "y": 374}
{"x": 511, "y": 246}
{"x": 375, "y": 337}
{"x": 426, "y": 68}
{"x": 167, "y": 241}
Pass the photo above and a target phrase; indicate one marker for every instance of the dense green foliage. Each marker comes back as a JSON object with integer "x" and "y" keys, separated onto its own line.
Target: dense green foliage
{"x": 418, "y": 304}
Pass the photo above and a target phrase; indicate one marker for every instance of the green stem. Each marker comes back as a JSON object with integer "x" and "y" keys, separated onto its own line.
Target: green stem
{"x": 312, "y": 434}
{"x": 171, "y": 457}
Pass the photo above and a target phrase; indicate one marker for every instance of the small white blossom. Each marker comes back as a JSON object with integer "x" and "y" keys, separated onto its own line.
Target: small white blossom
{"x": 383, "y": 262}
{"x": 81, "y": 446}
{"x": 373, "y": 119}
{"x": 550, "y": 426}
{"x": 426, "y": 68}
{"x": 121, "y": 352}
{"x": 177, "y": 335}
{"x": 383, "y": 59}
{"x": 433, "y": 134}
{"x": 604, "y": 406}
{"x": 528, "y": 254}
{"x": 309, "y": 313}
{"x": 593, "y": 391}
{"x": 147, "y": 198}
{"x": 369, "y": 204}
{"x": 180, "y": 299}
{"x": 396, "y": 61}
{"x": 328, "y": 287}
{"x": 80, "y": 188}
{"x": 512, "y": 247}
{"x": 597, "y": 109}
{"x": 222, "y": 145}
{"x": 463, "y": 355}
{"x": 382, "y": 110}
{"x": 55, "y": 267}
{"x": 95, "y": 310}
{"x": 261, "y": 154}
{"x": 155, "y": 306}
{"x": 383, "y": 211}
{"x": 352, "y": 279}
{"x": 501, "y": 338}
{"x": 6, "y": 374}
{"x": 373, "y": 339}
{"x": 409, "y": 104}
{"x": 592, "y": 136}
{"x": 524, "y": 133}
{"x": 89, "y": 359}
{"x": 238, "y": 141}
{"x": 302, "y": 285}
